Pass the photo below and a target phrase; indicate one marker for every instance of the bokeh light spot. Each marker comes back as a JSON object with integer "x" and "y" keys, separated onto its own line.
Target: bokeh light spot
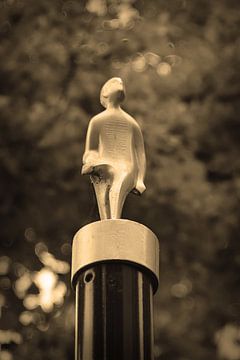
{"x": 45, "y": 279}
{"x": 30, "y": 234}
{"x": 39, "y": 248}
{"x": 51, "y": 291}
{"x": 5, "y": 262}
{"x": 58, "y": 266}
{"x": 9, "y": 336}
{"x": 26, "y": 318}
{"x": 102, "y": 48}
{"x": 66, "y": 249}
{"x": 19, "y": 269}
{"x": 164, "y": 69}
{"x": 97, "y": 7}
{"x": 181, "y": 289}
{"x": 22, "y": 285}
{"x": 173, "y": 60}
{"x": 31, "y": 302}
{"x": 139, "y": 63}
{"x": 152, "y": 58}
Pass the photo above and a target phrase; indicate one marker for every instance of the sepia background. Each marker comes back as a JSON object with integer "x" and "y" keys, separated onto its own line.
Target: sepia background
{"x": 179, "y": 60}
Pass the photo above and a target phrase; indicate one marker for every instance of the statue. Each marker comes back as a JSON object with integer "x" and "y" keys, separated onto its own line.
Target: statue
{"x": 114, "y": 155}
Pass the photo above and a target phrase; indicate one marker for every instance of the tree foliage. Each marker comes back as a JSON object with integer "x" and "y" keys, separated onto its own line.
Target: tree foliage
{"x": 179, "y": 60}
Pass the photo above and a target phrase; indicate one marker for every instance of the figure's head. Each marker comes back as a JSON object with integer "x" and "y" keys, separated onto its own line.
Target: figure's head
{"x": 112, "y": 92}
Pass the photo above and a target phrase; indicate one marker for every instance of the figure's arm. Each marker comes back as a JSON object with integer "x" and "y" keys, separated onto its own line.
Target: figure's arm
{"x": 91, "y": 148}
{"x": 141, "y": 159}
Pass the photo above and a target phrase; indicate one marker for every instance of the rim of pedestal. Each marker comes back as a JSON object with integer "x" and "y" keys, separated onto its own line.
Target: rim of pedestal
{"x": 116, "y": 240}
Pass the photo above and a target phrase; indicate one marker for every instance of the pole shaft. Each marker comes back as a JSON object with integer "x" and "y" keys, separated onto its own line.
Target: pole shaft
{"x": 114, "y": 318}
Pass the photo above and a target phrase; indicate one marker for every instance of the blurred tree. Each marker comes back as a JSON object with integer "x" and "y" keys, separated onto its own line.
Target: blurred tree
{"x": 179, "y": 60}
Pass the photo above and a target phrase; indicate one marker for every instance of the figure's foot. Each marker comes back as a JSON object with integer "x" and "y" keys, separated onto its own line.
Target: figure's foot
{"x": 139, "y": 188}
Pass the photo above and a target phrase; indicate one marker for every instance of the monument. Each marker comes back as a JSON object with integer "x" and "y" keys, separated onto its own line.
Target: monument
{"x": 115, "y": 262}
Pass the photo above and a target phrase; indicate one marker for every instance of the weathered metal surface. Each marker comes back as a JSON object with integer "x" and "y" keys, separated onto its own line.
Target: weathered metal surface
{"x": 116, "y": 240}
{"x": 114, "y": 154}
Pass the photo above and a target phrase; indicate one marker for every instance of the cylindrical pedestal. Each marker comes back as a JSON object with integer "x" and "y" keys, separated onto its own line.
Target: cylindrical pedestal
{"x": 114, "y": 314}
{"x": 115, "y": 269}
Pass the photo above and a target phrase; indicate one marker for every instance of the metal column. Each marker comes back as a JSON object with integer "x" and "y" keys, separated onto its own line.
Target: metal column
{"x": 114, "y": 290}
{"x": 114, "y": 313}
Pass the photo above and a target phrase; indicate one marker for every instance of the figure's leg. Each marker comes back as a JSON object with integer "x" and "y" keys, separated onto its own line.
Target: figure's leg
{"x": 102, "y": 188}
{"x": 102, "y": 180}
{"x": 118, "y": 193}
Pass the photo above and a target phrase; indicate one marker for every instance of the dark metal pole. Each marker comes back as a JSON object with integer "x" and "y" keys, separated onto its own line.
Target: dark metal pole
{"x": 115, "y": 274}
{"x": 114, "y": 313}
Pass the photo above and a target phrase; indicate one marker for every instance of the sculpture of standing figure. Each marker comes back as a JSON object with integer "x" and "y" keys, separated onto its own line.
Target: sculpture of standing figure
{"x": 114, "y": 154}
